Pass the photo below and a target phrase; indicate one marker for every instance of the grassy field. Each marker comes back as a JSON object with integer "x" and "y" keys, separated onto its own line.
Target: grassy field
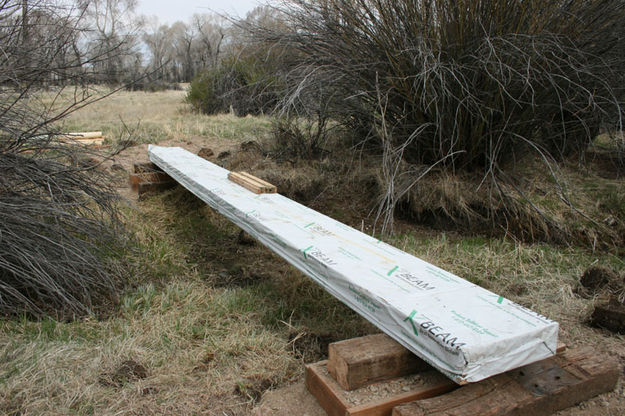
{"x": 208, "y": 322}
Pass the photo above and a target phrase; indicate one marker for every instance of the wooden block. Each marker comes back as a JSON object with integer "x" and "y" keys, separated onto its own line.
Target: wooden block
{"x": 145, "y": 187}
{"x": 360, "y": 361}
{"x": 538, "y": 389}
{"x": 154, "y": 177}
{"x": 334, "y": 401}
{"x": 327, "y": 394}
{"x": 268, "y": 187}
{"x": 146, "y": 167}
{"x": 252, "y": 183}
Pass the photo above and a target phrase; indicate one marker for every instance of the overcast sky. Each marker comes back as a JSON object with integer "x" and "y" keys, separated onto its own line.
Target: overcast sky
{"x": 169, "y": 11}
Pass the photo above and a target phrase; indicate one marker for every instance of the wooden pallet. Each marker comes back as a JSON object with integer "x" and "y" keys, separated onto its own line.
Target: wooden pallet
{"x": 540, "y": 388}
{"x": 252, "y": 183}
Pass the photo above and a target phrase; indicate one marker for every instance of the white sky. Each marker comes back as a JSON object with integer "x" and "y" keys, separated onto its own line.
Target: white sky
{"x": 169, "y": 11}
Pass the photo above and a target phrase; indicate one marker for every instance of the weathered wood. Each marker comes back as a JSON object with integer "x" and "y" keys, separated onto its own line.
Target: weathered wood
{"x": 252, "y": 183}
{"x": 332, "y": 397}
{"x": 326, "y": 392}
{"x": 153, "y": 177}
{"x": 360, "y": 361}
{"x": 89, "y": 142}
{"x": 384, "y": 407}
{"x": 269, "y": 187}
{"x": 538, "y": 389}
{"x": 82, "y": 135}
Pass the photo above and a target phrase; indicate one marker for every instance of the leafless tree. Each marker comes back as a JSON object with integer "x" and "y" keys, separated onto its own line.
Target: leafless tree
{"x": 111, "y": 30}
{"x": 59, "y": 220}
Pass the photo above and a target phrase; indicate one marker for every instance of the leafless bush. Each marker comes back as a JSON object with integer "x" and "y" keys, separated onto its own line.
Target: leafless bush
{"x": 59, "y": 221}
{"x": 465, "y": 86}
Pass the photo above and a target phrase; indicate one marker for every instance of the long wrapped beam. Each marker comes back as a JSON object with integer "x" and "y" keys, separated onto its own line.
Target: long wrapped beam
{"x": 465, "y": 331}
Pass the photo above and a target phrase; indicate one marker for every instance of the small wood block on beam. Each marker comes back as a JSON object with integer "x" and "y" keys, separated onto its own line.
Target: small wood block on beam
{"x": 360, "y": 361}
{"x": 252, "y": 183}
{"x": 335, "y": 401}
{"x": 537, "y": 389}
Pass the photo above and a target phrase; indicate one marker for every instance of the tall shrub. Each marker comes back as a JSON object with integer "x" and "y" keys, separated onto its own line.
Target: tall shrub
{"x": 245, "y": 85}
{"x": 59, "y": 217}
{"x": 471, "y": 85}
{"x": 480, "y": 79}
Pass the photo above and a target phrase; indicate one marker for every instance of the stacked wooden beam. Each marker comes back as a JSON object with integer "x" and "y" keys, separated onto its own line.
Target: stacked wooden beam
{"x": 370, "y": 363}
{"x": 148, "y": 177}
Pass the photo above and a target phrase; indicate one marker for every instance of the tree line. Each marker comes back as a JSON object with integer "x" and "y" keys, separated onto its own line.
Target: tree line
{"x": 106, "y": 41}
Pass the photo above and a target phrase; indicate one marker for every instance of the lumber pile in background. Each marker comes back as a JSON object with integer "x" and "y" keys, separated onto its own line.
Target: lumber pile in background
{"x": 86, "y": 138}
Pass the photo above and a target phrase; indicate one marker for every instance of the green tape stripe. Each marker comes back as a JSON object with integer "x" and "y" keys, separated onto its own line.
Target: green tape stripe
{"x": 392, "y": 270}
{"x": 409, "y": 318}
{"x": 305, "y": 250}
{"x": 500, "y": 300}
{"x": 309, "y": 225}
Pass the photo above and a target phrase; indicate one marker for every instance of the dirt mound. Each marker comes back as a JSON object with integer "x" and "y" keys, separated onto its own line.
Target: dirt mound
{"x": 127, "y": 372}
{"x": 597, "y": 278}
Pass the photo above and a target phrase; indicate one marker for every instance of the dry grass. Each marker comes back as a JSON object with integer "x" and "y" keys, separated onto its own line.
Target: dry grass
{"x": 210, "y": 323}
{"x": 152, "y": 117}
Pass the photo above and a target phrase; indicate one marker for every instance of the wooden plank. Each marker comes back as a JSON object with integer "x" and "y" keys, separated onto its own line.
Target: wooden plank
{"x": 96, "y": 141}
{"x": 360, "y": 361}
{"x": 244, "y": 182}
{"x": 253, "y": 180}
{"x": 333, "y": 398}
{"x": 251, "y": 183}
{"x": 537, "y": 389}
{"x": 269, "y": 187}
{"x": 266, "y": 187}
{"x": 81, "y": 135}
{"x": 384, "y": 407}
{"x": 326, "y": 392}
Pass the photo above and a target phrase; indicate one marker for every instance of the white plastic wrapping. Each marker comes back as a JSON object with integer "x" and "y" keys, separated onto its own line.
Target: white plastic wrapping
{"x": 465, "y": 331}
